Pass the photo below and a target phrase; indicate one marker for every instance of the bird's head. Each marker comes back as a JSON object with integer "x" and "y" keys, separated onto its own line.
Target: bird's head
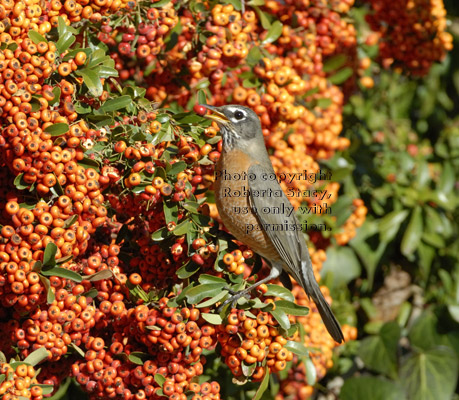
{"x": 239, "y": 125}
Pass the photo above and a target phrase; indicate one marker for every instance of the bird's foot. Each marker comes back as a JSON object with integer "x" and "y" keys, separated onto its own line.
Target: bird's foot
{"x": 235, "y": 296}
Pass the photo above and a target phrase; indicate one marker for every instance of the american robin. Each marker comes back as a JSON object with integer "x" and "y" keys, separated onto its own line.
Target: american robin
{"x": 256, "y": 211}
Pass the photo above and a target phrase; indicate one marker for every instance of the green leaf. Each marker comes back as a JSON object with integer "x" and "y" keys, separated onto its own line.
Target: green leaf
{"x": 61, "y": 391}
{"x": 237, "y": 4}
{"x": 98, "y": 57}
{"x": 176, "y": 168}
{"x": 187, "y": 270}
{"x": 297, "y": 348}
{"x": 93, "y": 292}
{"x": 70, "y": 221}
{"x": 274, "y": 32}
{"x": 50, "y": 296}
{"x": 413, "y": 233}
{"x": 57, "y": 129}
{"x": 37, "y": 356}
{"x": 19, "y": 182}
{"x": 263, "y": 386}
{"x": 311, "y": 372}
{"x": 369, "y": 387}
{"x": 115, "y": 104}
{"x": 281, "y": 317}
{"x": 390, "y": 224}
{"x": 213, "y": 319}
{"x": 379, "y": 353}
{"x": 213, "y": 300}
{"x": 160, "y": 379}
{"x": 200, "y": 292}
{"x": 333, "y": 63}
{"x": 256, "y": 3}
{"x": 138, "y": 358}
{"x": 265, "y": 23}
{"x": 191, "y": 206}
{"x": 341, "y": 76}
{"x": 254, "y": 56}
{"x": 291, "y": 308}
{"x": 49, "y": 255}
{"x": 160, "y": 3}
{"x": 106, "y": 72}
{"x": 62, "y": 27}
{"x": 36, "y": 37}
{"x": 205, "y": 278}
{"x": 202, "y": 99}
{"x": 430, "y": 375}
{"x": 65, "y": 41}
{"x": 63, "y": 260}
{"x": 99, "y": 275}
{"x": 182, "y": 228}
{"x": 170, "y": 211}
{"x": 77, "y": 349}
{"x": 92, "y": 81}
{"x": 424, "y": 333}
{"x": 447, "y": 179}
{"x": 324, "y": 103}
{"x": 62, "y": 273}
{"x": 336, "y": 257}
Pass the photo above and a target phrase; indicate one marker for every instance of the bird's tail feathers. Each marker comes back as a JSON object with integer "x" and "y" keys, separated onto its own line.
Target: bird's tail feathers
{"x": 311, "y": 287}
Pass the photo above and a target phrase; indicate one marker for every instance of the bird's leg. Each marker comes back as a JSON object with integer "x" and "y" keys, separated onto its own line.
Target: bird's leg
{"x": 273, "y": 274}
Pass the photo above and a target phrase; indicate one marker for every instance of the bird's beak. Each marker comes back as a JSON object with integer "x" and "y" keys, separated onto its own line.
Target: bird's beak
{"x": 215, "y": 115}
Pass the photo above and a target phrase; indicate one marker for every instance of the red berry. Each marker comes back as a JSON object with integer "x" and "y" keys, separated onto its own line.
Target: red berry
{"x": 197, "y": 259}
{"x": 199, "y": 109}
{"x": 124, "y": 48}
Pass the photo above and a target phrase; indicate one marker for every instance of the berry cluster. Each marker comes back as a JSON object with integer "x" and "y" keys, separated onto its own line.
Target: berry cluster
{"x": 254, "y": 342}
{"x": 412, "y": 33}
{"x": 20, "y": 381}
{"x": 168, "y": 342}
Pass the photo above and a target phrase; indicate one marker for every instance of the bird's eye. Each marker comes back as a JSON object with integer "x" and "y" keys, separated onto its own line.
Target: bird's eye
{"x": 238, "y": 115}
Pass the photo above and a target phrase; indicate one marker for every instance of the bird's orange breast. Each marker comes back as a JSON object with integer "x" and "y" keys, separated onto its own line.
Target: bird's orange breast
{"x": 232, "y": 199}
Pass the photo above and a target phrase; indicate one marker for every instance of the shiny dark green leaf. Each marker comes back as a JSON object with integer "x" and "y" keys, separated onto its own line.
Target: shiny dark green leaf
{"x": 274, "y": 32}
{"x": 279, "y": 291}
{"x": 281, "y": 317}
{"x": 263, "y": 386}
{"x": 213, "y": 319}
{"x": 200, "y": 292}
{"x": 115, "y": 104}
{"x": 379, "y": 352}
{"x": 49, "y": 255}
{"x": 370, "y": 387}
{"x": 413, "y": 233}
{"x": 62, "y": 273}
{"x": 65, "y": 41}
{"x": 137, "y": 357}
{"x": 36, "y": 37}
{"x": 37, "y": 356}
{"x": 187, "y": 270}
{"x": 341, "y": 76}
{"x": 297, "y": 348}
{"x": 430, "y": 375}
{"x": 92, "y": 80}
{"x": 57, "y": 129}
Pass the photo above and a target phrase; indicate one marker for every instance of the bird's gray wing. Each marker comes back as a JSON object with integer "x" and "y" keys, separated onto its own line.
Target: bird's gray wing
{"x": 290, "y": 244}
{"x": 276, "y": 215}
